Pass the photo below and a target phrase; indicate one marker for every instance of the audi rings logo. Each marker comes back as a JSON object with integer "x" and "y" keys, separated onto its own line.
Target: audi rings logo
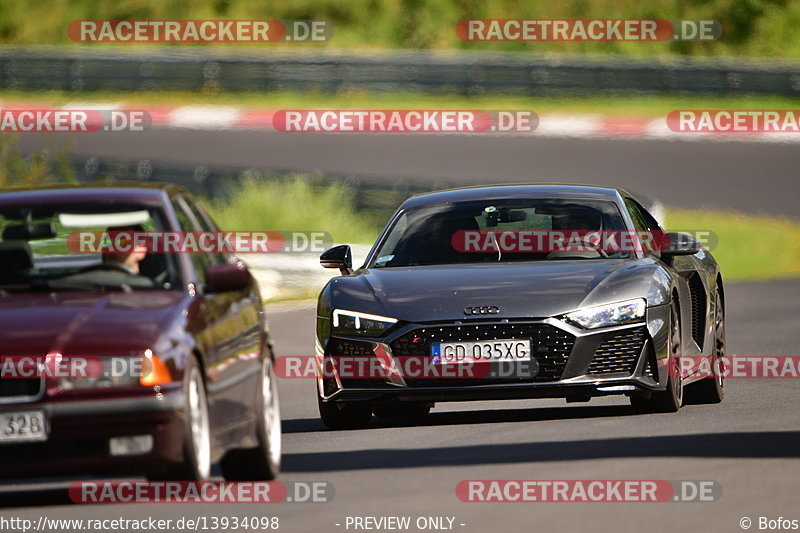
{"x": 481, "y": 310}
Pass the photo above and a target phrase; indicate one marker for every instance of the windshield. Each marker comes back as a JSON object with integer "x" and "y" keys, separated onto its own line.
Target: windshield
{"x": 501, "y": 231}
{"x": 38, "y": 249}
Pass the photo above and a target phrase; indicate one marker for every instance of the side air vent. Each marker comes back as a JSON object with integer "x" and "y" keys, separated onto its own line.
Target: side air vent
{"x": 698, "y": 293}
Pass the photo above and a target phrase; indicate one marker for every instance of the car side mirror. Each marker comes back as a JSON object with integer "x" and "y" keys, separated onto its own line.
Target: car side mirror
{"x": 675, "y": 244}
{"x": 228, "y": 277}
{"x": 338, "y": 257}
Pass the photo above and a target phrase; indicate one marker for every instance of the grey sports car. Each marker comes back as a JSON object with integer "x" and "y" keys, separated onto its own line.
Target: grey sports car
{"x": 519, "y": 291}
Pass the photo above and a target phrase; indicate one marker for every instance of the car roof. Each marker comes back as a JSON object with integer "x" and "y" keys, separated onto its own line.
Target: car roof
{"x": 134, "y": 193}
{"x": 517, "y": 190}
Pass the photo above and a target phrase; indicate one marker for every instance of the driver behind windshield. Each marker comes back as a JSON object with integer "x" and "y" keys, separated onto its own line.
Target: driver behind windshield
{"x": 579, "y": 221}
{"x": 576, "y": 221}
{"x": 118, "y": 268}
{"x": 128, "y": 262}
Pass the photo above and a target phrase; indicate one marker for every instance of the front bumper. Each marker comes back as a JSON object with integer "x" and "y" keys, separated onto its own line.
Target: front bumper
{"x": 572, "y": 363}
{"x": 80, "y": 429}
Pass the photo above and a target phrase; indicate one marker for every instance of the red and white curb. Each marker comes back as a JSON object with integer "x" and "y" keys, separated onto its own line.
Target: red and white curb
{"x": 210, "y": 117}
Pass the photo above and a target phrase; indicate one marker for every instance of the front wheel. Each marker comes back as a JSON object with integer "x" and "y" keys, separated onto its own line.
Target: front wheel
{"x": 264, "y": 461}
{"x": 196, "y": 465}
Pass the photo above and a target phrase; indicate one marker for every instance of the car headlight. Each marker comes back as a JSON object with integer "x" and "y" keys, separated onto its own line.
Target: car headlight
{"x": 102, "y": 372}
{"x": 615, "y": 314}
{"x": 355, "y": 323}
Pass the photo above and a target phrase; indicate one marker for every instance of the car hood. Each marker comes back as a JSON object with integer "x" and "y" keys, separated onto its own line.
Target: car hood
{"x": 536, "y": 290}
{"x": 84, "y": 323}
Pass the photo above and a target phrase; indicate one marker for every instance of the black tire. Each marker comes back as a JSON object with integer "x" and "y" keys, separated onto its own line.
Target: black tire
{"x": 712, "y": 389}
{"x": 341, "y": 415}
{"x": 669, "y": 400}
{"x": 405, "y": 410}
{"x": 196, "y": 465}
{"x": 264, "y": 461}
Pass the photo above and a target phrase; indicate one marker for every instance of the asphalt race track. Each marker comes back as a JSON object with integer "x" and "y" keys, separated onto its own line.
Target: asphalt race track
{"x": 749, "y": 444}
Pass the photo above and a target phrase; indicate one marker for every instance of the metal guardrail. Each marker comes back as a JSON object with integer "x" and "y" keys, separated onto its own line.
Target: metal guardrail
{"x": 125, "y": 69}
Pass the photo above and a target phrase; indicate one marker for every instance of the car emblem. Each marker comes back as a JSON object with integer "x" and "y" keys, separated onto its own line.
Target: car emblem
{"x": 481, "y": 310}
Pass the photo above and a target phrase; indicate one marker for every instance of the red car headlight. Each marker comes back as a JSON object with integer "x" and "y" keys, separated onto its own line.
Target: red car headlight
{"x": 146, "y": 370}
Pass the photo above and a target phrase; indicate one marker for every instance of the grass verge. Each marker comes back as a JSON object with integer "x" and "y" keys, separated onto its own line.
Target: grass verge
{"x": 760, "y": 28}
{"x": 296, "y": 203}
{"x": 749, "y": 247}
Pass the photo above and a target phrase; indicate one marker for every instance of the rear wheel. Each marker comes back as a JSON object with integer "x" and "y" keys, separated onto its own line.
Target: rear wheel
{"x": 670, "y": 399}
{"x": 343, "y": 415}
{"x": 712, "y": 389}
{"x": 263, "y": 461}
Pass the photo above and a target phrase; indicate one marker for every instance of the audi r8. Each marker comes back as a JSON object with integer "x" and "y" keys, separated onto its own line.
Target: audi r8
{"x": 484, "y": 291}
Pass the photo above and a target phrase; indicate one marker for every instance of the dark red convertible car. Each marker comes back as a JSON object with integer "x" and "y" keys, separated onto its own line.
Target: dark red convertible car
{"x": 186, "y": 365}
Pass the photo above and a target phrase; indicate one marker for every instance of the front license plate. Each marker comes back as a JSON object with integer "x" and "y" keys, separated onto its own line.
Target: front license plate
{"x": 448, "y": 353}
{"x": 23, "y": 426}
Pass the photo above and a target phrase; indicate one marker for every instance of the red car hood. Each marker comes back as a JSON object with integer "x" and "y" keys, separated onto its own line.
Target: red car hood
{"x": 84, "y": 323}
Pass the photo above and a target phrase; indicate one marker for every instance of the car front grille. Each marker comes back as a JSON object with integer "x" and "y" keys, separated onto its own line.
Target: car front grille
{"x": 22, "y": 388}
{"x": 349, "y": 348}
{"x": 353, "y": 349}
{"x": 550, "y": 347}
{"x": 618, "y": 354}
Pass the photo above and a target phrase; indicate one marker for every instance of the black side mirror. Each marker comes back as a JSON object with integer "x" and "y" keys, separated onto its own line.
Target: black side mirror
{"x": 675, "y": 244}
{"x": 338, "y": 257}
{"x": 228, "y": 277}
